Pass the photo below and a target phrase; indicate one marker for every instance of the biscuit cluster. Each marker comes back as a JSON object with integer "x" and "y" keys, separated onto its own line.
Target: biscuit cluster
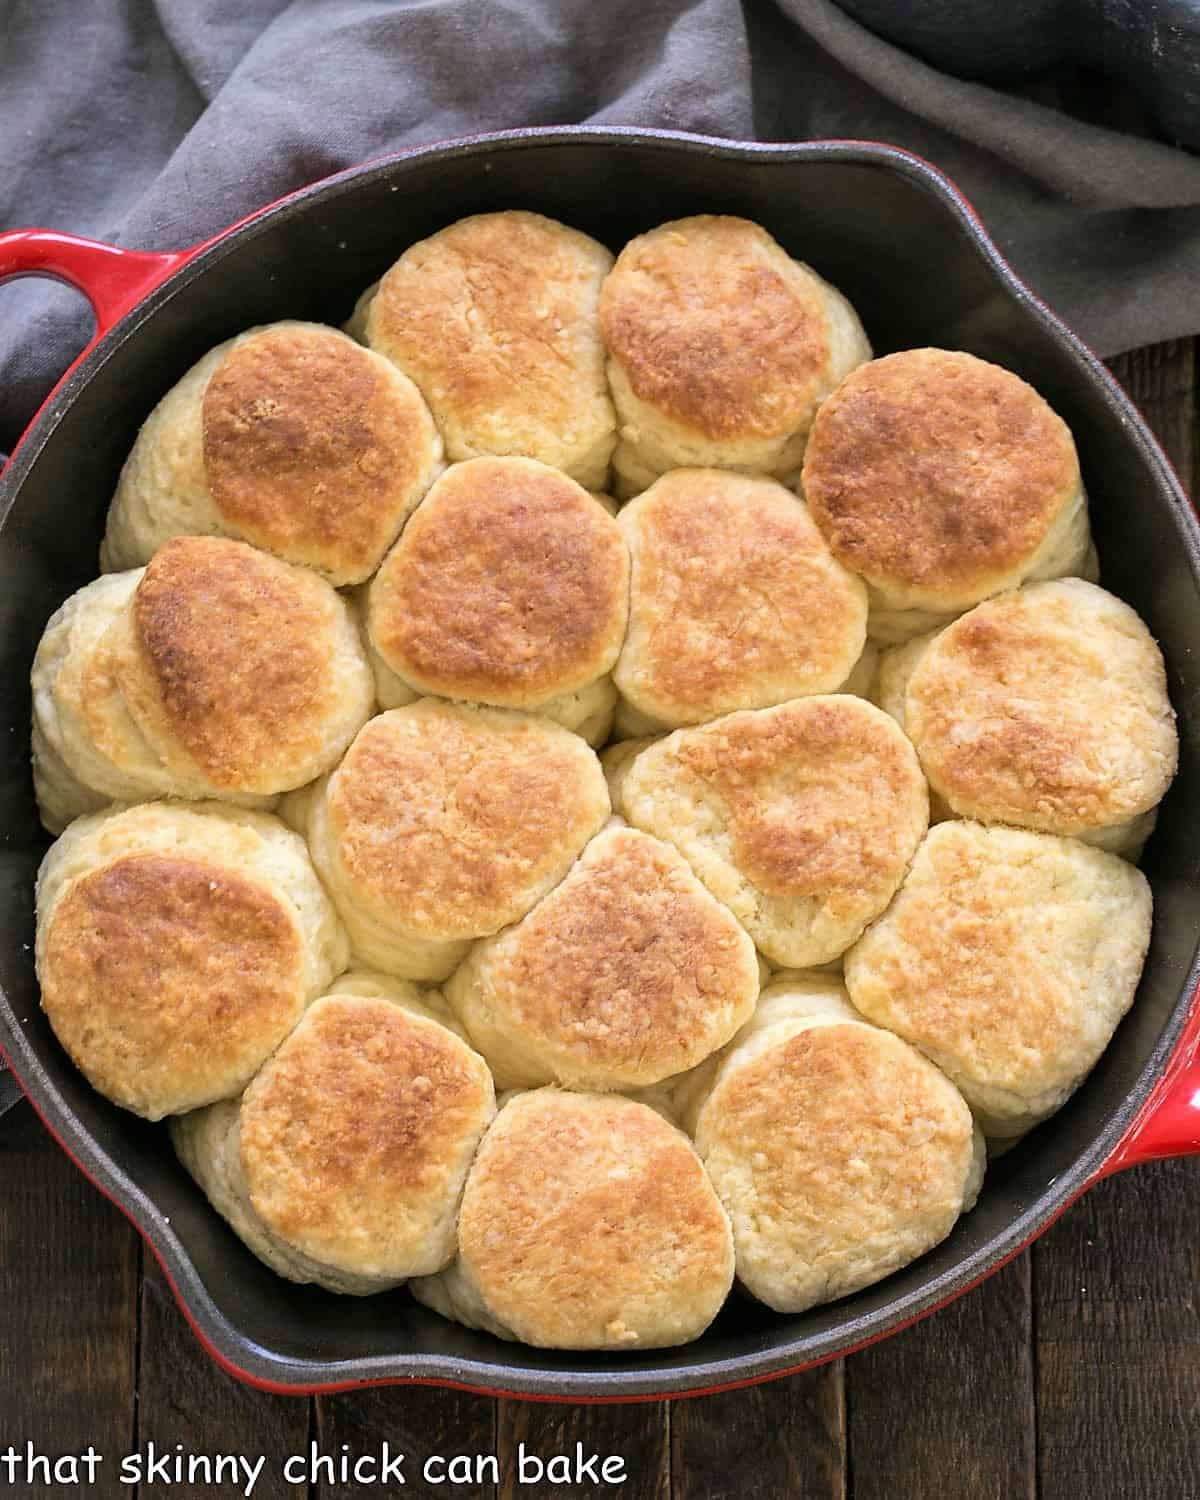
{"x": 395, "y": 763}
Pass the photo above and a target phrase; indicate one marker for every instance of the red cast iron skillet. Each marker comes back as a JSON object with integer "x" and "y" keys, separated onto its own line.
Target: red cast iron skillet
{"x": 899, "y": 239}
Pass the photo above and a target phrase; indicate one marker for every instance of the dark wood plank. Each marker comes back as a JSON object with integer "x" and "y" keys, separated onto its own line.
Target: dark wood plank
{"x": 1162, "y": 381}
{"x": 1118, "y": 1339}
{"x": 946, "y": 1408}
{"x": 184, "y": 1398}
{"x": 636, "y": 1434}
{"x": 418, "y": 1421}
{"x": 68, "y": 1310}
{"x": 784, "y": 1438}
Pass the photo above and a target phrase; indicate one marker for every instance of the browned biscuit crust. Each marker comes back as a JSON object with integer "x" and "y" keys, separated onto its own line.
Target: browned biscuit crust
{"x": 933, "y": 470}
{"x": 313, "y": 448}
{"x": 715, "y": 328}
{"x": 166, "y": 976}
{"x": 230, "y": 664}
{"x": 508, "y": 586}
{"x": 355, "y": 1136}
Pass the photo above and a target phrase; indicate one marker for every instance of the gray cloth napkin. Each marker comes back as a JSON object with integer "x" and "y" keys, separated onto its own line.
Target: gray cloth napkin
{"x": 154, "y": 123}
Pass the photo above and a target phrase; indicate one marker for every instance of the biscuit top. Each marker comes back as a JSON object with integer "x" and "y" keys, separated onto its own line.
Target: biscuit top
{"x": 833, "y": 1138}
{"x": 994, "y": 955}
{"x": 508, "y": 586}
{"x": 495, "y": 320}
{"x": 452, "y": 822}
{"x": 356, "y": 1136}
{"x": 628, "y": 969}
{"x": 237, "y": 663}
{"x": 717, "y": 328}
{"x": 736, "y": 599}
{"x": 1046, "y": 707}
{"x": 937, "y": 473}
{"x": 588, "y": 1220}
{"x": 170, "y": 978}
{"x": 315, "y": 448}
{"x": 819, "y": 795}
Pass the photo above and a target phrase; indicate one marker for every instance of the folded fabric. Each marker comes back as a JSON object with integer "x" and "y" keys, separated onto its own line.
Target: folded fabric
{"x": 155, "y": 124}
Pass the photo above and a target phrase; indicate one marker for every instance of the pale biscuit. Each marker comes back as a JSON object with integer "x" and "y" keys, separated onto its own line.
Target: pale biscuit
{"x": 624, "y": 974}
{"x": 509, "y": 586}
{"x": 343, "y": 1164}
{"x": 290, "y": 436}
{"x": 617, "y": 759}
{"x": 443, "y": 824}
{"x": 801, "y": 818}
{"x": 721, "y": 348}
{"x": 735, "y": 602}
{"x": 177, "y": 945}
{"x": 839, "y": 1152}
{"x": 1046, "y": 708}
{"x": 587, "y": 1223}
{"x": 1008, "y": 958}
{"x": 943, "y": 479}
{"x": 495, "y": 320}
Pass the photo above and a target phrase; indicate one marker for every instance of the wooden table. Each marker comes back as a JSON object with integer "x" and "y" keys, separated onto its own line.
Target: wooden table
{"x": 1075, "y": 1372}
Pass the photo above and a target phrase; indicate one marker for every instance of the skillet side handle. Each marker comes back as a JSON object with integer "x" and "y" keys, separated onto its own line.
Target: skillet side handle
{"x": 1168, "y": 1124}
{"x": 113, "y": 280}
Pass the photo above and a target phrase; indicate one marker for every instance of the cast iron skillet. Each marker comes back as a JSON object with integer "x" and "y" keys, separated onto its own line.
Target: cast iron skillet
{"x": 909, "y": 252}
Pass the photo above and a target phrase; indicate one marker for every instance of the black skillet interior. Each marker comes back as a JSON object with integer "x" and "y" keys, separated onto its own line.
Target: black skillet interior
{"x": 895, "y": 238}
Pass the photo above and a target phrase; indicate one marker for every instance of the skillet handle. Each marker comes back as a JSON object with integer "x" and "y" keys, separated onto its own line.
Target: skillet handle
{"x": 1168, "y": 1124}
{"x": 113, "y": 280}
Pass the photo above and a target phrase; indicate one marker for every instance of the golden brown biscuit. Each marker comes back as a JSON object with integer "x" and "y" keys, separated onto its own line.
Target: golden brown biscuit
{"x": 344, "y": 1162}
{"x": 1046, "y": 708}
{"x": 509, "y": 586}
{"x": 735, "y": 602}
{"x": 802, "y": 818}
{"x": 721, "y": 349}
{"x": 1008, "y": 958}
{"x": 494, "y": 318}
{"x": 943, "y": 479}
{"x": 587, "y": 1223}
{"x": 292, "y": 437}
{"x": 445, "y": 823}
{"x": 839, "y": 1152}
{"x": 624, "y": 974}
{"x": 245, "y": 674}
{"x": 177, "y": 945}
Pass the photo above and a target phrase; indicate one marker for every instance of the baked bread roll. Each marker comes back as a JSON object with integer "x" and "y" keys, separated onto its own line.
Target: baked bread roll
{"x": 344, "y": 1161}
{"x": 177, "y": 945}
{"x": 1046, "y": 708}
{"x": 509, "y": 586}
{"x": 942, "y": 480}
{"x": 587, "y": 1223}
{"x": 1008, "y": 958}
{"x": 624, "y": 974}
{"x": 443, "y": 824}
{"x": 735, "y": 601}
{"x": 721, "y": 348}
{"x": 839, "y": 1152}
{"x": 802, "y": 818}
{"x": 215, "y": 671}
{"x": 495, "y": 320}
{"x": 290, "y": 436}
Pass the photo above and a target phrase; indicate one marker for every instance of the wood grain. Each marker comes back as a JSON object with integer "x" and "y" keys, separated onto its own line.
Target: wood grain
{"x": 785, "y": 1438}
{"x": 68, "y": 1310}
{"x": 415, "y": 1420}
{"x": 640, "y": 1435}
{"x": 185, "y": 1399}
{"x": 946, "y": 1408}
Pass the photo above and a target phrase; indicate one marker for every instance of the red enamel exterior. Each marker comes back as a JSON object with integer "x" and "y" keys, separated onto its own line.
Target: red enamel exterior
{"x": 115, "y": 280}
